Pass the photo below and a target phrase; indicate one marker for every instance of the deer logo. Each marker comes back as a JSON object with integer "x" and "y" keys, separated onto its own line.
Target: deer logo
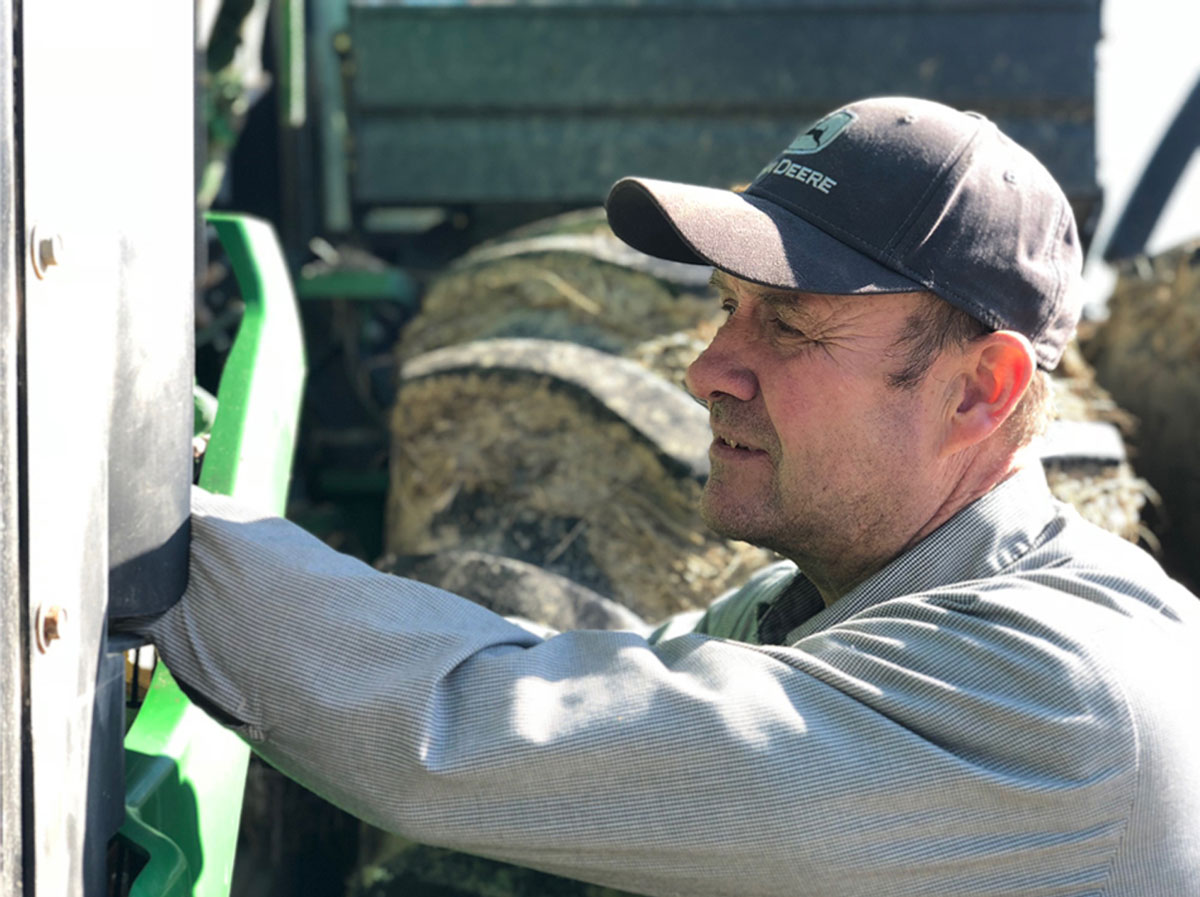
{"x": 821, "y": 134}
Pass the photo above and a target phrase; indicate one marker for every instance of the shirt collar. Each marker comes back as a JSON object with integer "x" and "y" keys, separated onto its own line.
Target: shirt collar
{"x": 979, "y": 541}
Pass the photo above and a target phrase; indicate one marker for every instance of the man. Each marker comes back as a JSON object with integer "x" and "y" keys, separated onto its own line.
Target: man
{"x": 967, "y": 691}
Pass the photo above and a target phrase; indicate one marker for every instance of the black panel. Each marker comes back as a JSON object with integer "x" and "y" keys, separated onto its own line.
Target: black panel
{"x": 149, "y": 460}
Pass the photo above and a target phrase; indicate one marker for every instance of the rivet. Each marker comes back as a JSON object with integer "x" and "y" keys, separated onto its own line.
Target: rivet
{"x": 46, "y": 251}
{"x": 49, "y": 623}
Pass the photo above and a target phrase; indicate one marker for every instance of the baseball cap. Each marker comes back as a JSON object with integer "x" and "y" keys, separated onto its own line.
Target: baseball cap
{"x": 884, "y": 195}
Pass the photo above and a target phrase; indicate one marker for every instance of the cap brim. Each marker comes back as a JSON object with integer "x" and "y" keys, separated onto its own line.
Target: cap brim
{"x": 745, "y": 235}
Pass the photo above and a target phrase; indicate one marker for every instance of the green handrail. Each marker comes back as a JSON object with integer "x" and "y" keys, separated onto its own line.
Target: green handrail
{"x": 185, "y": 775}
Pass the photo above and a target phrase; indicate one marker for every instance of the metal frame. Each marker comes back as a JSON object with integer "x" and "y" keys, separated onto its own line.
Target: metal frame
{"x": 330, "y": 19}
{"x": 1158, "y": 181}
{"x": 13, "y": 650}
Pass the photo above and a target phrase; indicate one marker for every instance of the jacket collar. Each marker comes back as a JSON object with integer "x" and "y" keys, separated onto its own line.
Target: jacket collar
{"x": 978, "y": 542}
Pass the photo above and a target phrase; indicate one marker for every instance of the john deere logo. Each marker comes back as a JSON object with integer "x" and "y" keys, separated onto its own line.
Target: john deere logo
{"x": 821, "y": 134}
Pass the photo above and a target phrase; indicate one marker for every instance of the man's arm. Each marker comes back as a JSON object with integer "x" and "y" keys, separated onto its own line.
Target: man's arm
{"x": 695, "y": 766}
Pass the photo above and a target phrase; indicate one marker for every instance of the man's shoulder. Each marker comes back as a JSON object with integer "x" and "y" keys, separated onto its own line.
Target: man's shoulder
{"x": 1067, "y": 588}
{"x": 1078, "y": 558}
{"x": 1022, "y": 545}
{"x": 1081, "y": 608}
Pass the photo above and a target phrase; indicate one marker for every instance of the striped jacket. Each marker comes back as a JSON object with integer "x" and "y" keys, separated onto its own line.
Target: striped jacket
{"x": 1009, "y": 708}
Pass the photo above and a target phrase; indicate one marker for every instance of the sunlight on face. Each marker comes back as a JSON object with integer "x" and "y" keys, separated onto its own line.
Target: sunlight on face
{"x": 811, "y": 447}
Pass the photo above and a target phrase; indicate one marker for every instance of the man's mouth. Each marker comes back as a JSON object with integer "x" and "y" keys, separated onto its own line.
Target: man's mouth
{"x": 729, "y": 445}
{"x": 733, "y": 443}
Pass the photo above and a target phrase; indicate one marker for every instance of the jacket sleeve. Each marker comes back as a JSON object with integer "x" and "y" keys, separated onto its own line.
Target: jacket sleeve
{"x": 693, "y": 766}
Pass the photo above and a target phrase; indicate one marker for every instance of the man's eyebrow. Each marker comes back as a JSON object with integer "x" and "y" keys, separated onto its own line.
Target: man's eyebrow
{"x": 796, "y": 309}
{"x": 792, "y": 300}
{"x": 786, "y": 300}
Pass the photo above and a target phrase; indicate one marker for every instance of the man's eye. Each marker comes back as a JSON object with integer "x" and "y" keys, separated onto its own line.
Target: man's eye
{"x": 728, "y": 306}
{"x": 785, "y": 328}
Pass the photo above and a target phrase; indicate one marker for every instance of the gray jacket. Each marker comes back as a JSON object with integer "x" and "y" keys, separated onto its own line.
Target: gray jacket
{"x": 1009, "y": 708}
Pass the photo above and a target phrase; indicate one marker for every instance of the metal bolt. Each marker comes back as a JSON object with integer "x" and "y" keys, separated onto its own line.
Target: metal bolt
{"x": 46, "y": 251}
{"x": 49, "y": 250}
{"x": 48, "y": 625}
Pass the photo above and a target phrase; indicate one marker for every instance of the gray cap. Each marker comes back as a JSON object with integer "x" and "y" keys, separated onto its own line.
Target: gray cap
{"x": 886, "y": 195}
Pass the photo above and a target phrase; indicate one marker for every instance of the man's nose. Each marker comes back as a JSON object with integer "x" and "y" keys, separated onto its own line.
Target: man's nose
{"x": 722, "y": 370}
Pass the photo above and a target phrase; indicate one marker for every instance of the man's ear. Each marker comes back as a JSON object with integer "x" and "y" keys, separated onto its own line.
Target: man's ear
{"x": 993, "y": 376}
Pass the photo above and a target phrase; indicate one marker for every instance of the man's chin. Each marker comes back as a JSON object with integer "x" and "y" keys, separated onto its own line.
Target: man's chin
{"x": 730, "y": 521}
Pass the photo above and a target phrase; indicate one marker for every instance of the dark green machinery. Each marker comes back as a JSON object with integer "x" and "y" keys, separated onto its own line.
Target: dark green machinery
{"x": 454, "y": 105}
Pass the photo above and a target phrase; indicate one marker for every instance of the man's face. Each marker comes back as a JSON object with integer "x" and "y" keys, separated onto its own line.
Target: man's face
{"x": 813, "y": 450}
